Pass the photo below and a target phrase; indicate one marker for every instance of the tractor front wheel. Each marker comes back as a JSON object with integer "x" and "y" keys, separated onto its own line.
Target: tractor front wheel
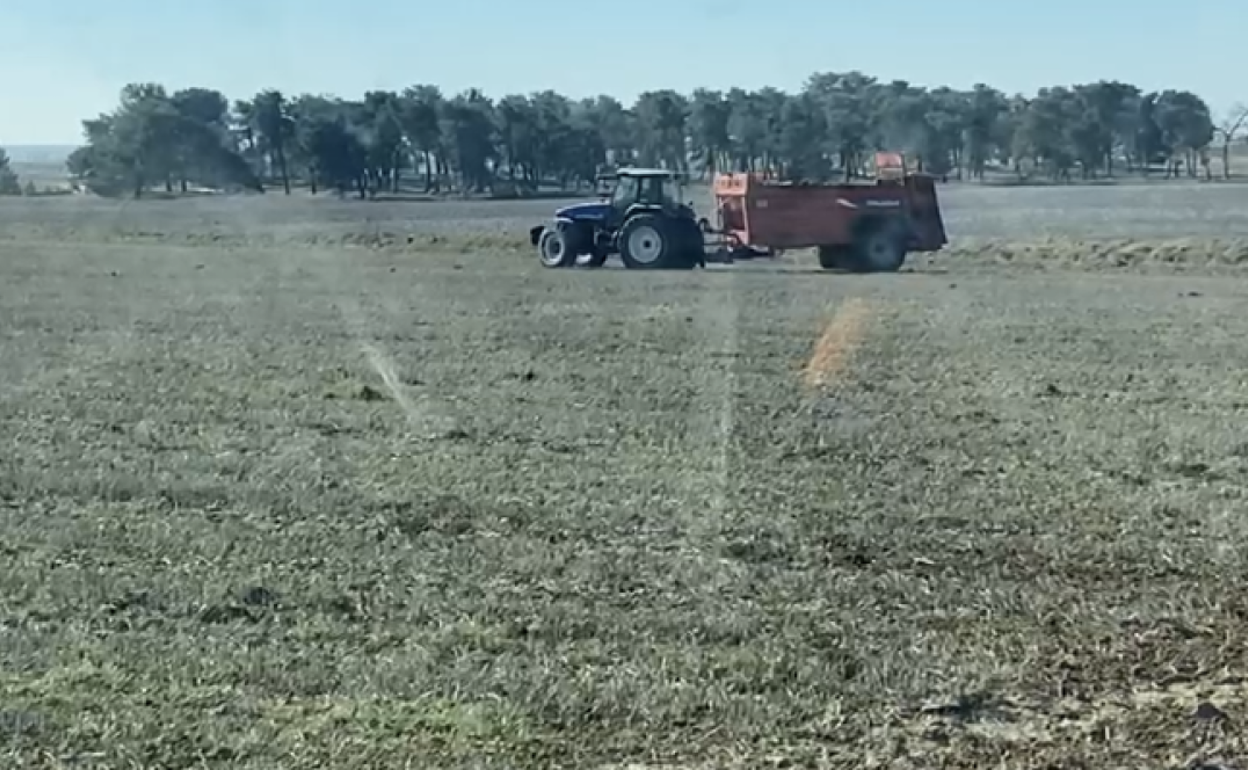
{"x": 553, "y": 248}
{"x": 559, "y": 246}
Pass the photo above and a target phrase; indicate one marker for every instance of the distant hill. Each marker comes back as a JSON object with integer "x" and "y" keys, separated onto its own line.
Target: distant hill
{"x": 39, "y": 153}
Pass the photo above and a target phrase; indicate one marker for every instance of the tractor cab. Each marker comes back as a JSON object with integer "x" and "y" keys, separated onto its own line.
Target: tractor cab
{"x": 648, "y": 187}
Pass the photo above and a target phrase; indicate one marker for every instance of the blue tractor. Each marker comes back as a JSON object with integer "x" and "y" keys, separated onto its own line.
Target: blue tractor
{"x": 643, "y": 218}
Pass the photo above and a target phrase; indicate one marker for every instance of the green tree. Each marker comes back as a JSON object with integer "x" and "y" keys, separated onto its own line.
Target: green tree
{"x": 846, "y": 100}
{"x": 709, "y": 114}
{"x": 337, "y": 156}
{"x": 133, "y": 147}
{"x": 309, "y": 113}
{"x": 1041, "y": 136}
{"x": 587, "y": 154}
{"x": 1146, "y": 139}
{"x": 1186, "y": 127}
{"x": 747, "y": 128}
{"x": 801, "y": 130}
{"x": 553, "y": 141}
{"x": 468, "y": 137}
{"x": 420, "y": 108}
{"x": 662, "y": 130}
{"x": 615, "y": 126}
{"x": 518, "y": 139}
{"x": 1103, "y": 123}
{"x": 378, "y": 124}
{"x": 9, "y": 182}
{"x": 986, "y": 110}
{"x": 152, "y": 138}
{"x": 273, "y": 129}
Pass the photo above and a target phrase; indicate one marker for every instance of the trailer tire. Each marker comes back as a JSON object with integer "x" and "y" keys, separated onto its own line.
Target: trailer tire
{"x": 880, "y": 247}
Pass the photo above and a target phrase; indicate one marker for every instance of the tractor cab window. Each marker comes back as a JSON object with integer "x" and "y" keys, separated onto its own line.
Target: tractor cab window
{"x": 626, "y": 192}
{"x": 646, "y": 190}
{"x": 657, "y": 191}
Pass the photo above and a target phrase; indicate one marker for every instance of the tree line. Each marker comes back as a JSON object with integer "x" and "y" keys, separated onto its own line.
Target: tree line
{"x": 471, "y": 143}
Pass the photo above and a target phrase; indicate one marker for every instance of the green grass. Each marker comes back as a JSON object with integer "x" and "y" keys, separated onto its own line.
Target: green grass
{"x": 321, "y": 507}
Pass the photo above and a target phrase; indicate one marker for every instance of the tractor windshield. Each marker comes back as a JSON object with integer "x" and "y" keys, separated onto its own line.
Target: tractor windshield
{"x": 662, "y": 191}
{"x": 648, "y": 190}
{"x": 625, "y": 193}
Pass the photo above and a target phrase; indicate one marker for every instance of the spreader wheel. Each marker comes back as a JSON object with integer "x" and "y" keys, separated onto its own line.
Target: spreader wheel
{"x": 880, "y": 249}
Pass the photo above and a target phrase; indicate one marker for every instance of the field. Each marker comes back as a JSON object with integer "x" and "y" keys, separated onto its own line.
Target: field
{"x": 327, "y": 484}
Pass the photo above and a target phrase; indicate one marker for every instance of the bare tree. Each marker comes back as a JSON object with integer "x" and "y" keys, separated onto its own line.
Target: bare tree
{"x": 1235, "y": 121}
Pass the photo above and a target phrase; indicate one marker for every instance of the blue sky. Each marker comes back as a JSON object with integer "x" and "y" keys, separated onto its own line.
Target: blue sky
{"x": 53, "y": 72}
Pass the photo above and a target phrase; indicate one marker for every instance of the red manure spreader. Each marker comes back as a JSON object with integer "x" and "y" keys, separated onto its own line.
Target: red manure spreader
{"x": 862, "y": 227}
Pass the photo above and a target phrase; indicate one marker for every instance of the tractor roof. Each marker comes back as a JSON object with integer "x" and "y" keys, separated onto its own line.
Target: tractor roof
{"x": 646, "y": 172}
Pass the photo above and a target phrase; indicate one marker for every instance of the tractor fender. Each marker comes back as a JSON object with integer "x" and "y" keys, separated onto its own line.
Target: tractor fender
{"x": 535, "y": 233}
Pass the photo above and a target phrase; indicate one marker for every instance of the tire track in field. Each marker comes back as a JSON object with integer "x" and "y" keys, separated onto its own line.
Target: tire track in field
{"x": 713, "y": 418}
{"x": 837, "y": 344}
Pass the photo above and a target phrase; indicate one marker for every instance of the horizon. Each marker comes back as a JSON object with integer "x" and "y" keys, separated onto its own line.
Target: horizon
{"x": 957, "y": 44}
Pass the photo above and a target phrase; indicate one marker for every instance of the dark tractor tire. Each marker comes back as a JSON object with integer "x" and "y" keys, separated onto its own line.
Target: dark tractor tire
{"x": 836, "y": 257}
{"x": 559, "y": 246}
{"x": 692, "y": 243}
{"x": 647, "y": 242}
{"x": 880, "y": 247}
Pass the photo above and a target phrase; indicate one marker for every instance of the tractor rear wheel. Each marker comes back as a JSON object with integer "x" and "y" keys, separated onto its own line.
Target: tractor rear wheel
{"x": 692, "y": 244}
{"x": 648, "y": 243}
